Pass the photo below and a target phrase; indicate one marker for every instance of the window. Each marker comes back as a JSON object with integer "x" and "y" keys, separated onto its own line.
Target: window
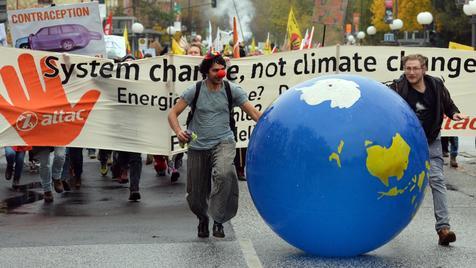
{"x": 42, "y": 32}
{"x": 54, "y": 30}
{"x": 67, "y": 28}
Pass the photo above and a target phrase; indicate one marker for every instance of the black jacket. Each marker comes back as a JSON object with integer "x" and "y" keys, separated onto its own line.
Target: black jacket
{"x": 444, "y": 103}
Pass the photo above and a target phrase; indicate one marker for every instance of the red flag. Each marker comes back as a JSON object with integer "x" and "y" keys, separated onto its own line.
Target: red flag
{"x": 236, "y": 46}
{"x": 108, "y": 25}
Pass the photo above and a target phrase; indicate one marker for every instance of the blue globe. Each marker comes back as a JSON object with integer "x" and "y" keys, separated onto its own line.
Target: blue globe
{"x": 338, "y": 165}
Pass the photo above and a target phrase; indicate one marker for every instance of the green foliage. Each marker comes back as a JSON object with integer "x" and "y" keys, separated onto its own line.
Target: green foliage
{"x": 452, "y": 24}
{"x": 272, "y": 17}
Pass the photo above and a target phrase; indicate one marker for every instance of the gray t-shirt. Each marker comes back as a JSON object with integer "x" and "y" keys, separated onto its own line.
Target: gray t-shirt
{"x": 211, "y": 120}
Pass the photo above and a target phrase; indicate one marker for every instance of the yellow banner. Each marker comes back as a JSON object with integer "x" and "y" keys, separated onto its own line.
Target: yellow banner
{"x": 454, "y": 45}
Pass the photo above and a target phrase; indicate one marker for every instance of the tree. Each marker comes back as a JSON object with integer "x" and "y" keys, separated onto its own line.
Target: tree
{"x": 272, "y": 16}
{"x": 407, "y": 12}
{"x": 451, "y": 23}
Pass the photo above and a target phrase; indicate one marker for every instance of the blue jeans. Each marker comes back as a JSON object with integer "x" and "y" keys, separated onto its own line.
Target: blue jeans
{"x": 15, "y": 160}
{"x": 47, "y": 170}
{"x": 438, "y": 185}
{"x": 453, "y": 142}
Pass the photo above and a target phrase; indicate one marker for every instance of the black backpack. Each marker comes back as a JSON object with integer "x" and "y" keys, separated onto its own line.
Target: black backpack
{"x": 230, "y": 105}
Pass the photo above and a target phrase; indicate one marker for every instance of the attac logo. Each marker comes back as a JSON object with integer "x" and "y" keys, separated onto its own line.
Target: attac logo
{"x": 26, "y": 121}
{"x": 42, "y": 116}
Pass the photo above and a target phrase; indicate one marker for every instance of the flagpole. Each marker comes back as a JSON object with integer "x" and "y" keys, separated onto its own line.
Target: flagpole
{"x": 239, "y": 21}
{"x": 324, "y": 35}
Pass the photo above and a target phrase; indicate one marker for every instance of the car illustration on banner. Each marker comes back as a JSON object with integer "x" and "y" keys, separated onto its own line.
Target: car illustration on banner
{"x": 22, "y": 42}
{"x": 64, "y": 37}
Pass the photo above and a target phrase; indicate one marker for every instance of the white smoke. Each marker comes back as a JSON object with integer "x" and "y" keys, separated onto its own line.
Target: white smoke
{"x": 246, "y": 13}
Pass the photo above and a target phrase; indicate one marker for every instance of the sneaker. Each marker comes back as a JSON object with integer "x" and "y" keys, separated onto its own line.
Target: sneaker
{"x": 203, "y": 231}
{"x": 48, "y": 197}
{"x": 66, "y": 186}
{"x": 8, "y": 173}
{"x": 175, "y": 176}
{"x": 453, "y": 162}
{"x": 446, "y": 154}
{"x": 58, "y": 185}
{"x": 103, "y": 169}
{"x": 134, "y": 196}
{"x": 446, "y": 236}
{"x": 218, "y": 230}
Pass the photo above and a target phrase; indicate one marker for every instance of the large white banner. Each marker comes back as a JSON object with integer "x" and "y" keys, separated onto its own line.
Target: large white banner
{"x": 72, "y": 100}
{"x": 73, "y": 28}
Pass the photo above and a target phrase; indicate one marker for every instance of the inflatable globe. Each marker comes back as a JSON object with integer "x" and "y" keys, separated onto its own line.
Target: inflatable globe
{"x": 338, "y": 165}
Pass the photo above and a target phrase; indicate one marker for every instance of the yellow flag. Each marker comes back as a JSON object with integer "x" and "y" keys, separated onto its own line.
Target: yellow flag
{"x": 176, "y": 49}
{"x": 253, "y": 46}
{"x": 294, "y": 32}
{"x": 228, "y": 51}
{"x": 126, "y": 39}
{"x": 454, "y": 45}
{"x": 267, "y": 46}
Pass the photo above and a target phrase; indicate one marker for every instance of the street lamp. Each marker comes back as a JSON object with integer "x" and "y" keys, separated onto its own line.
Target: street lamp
{"x": 360, "y": 36}
{"x": 425, "y": 19}
{"x": 371, "y": 30}
{"x": 470, "y": 10}
{"x": 137, "y": 28}
{"x": 350, "y": 39}
{"x": 171, "y": 30}
{"x": 395, "y": 26}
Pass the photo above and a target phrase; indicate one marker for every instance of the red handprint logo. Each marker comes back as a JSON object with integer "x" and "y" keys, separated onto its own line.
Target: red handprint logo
{"x": 44, "y": 116}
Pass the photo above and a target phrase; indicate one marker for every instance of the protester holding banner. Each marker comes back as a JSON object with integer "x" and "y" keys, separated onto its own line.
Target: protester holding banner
{"x": 211, "y": 175}
{"x": 50, "y": 173}
{"x": 131, "y": 161}
{"x": 429, "y": 98}
{"x": 72, "y": 168}
{"x": 15, "y": 156}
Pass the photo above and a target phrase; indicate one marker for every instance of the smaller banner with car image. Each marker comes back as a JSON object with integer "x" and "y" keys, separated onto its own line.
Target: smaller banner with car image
{"x": 73, "y": 28}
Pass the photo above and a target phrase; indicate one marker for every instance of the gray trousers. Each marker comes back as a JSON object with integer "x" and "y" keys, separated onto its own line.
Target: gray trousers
{"x": 438, "y": 185}
{"x": 212, "y": 182}
{"x": 50, "y": 171}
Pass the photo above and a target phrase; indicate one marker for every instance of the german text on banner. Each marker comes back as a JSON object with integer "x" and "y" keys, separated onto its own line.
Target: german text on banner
{"x": 71, "y": 100}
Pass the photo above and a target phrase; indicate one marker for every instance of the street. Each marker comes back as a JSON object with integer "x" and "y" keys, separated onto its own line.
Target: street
{"x": 97, "y": 226}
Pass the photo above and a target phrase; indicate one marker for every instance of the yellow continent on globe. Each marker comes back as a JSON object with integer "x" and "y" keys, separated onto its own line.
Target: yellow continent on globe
{"x": 385, "y": 163}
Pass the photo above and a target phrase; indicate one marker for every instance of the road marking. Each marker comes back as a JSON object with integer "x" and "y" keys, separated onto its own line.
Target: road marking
{"x": 249, "y": 253}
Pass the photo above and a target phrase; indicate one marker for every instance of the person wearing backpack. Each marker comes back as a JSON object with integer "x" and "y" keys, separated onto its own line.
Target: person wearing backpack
{"x": 212, "y": 183}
